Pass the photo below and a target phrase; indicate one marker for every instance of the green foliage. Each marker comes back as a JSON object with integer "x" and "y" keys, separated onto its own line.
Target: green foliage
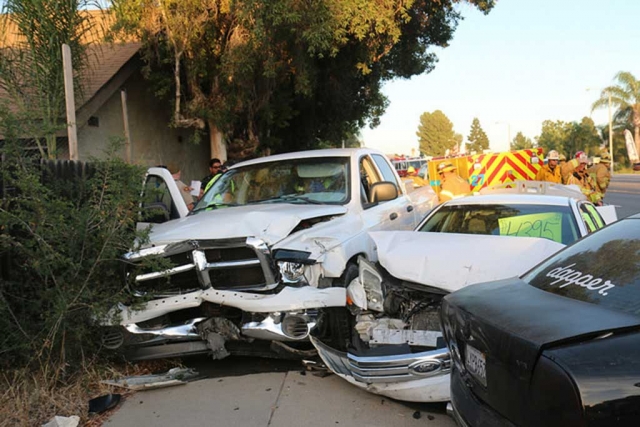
{"x": 569, "y": 138}
{"x": 583, "y": 136}
{"x": 435, "y": 134}
{"x": 478, "y": 140}
{"x": 284, "y": 74}
{"x": 31, "y": 36}
{"x": 625, "y": 97}
{"x": 521, "y": 142}
{"x": 60, "y": 246}
{"x": 554, "y": 136}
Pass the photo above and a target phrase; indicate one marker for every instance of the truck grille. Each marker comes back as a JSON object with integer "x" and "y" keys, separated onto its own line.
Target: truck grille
{"x": 239, "y": 264}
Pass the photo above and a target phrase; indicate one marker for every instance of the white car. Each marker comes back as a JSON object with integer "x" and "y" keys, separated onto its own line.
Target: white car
{"x": 263, "y": 258}
{"x": 396, "y": 346}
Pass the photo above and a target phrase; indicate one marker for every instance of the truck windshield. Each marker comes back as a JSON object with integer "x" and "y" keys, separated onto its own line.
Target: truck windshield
{"x": 301, "y": 181}
{"x": 525, "y": 220}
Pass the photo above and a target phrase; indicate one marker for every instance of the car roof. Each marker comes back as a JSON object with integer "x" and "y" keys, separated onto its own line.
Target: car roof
{"x": 526, "y": 199}
{"x": 329, "y": 152}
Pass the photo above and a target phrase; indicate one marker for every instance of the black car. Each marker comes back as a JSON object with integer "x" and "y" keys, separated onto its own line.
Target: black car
{"x": 559, "y": 346}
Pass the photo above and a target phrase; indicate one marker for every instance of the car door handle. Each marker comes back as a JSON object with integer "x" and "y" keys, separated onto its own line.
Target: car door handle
{"x": 409, "y": 208}
{"x": 393, "y": 216}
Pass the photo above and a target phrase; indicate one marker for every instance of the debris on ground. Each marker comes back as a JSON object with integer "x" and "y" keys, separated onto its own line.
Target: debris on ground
{"x": 103, "y": 403}
{"x": 317, "y": 369}
{"x": 173, "y": 377}
{"x": 59, "y": 421}
{"x": 417, "y": 415}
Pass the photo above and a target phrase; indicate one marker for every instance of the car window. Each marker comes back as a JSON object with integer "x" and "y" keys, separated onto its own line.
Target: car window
{"x": 588, "y": 218}
{"x": 603, "y": 269}
{"x": 385, "y": 169}
{"x": 157, "y": 203}
{"x": 595, "y": 215}
{"x": 551, "y": 222}
{"x": 368, "y": 177}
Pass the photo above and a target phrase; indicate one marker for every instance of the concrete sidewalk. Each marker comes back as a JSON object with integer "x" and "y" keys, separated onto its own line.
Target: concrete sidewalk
{"x": 271, "y": 399}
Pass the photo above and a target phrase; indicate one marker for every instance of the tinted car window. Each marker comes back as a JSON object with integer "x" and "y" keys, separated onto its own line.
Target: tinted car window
{"x": 552, "y": 222}
{"x": 602, "y": 269}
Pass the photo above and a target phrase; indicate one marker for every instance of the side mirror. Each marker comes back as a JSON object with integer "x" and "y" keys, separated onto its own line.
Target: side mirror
{"x": 383, "y": 191}
{"x": 155, "y": 213}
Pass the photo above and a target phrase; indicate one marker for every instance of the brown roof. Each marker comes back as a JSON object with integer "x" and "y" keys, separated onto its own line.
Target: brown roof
{"x": 104, "y": 59}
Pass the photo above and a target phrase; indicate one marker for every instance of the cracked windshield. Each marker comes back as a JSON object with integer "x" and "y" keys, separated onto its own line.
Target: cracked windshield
{"x": 308, "y": 181}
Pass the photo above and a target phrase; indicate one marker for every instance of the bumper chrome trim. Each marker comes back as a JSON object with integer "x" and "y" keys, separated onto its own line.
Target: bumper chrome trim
{"x": 386, "y": 369}
{"x": 271, "y": 328}
{"x": 186, "y": 330}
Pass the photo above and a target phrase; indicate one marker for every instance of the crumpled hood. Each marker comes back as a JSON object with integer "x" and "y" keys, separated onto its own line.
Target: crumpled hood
{"x": 269, "y": 222}
{"x": 452, "y": 261}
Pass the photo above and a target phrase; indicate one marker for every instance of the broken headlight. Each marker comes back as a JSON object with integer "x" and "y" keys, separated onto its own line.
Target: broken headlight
{"x": 292, "y": 272}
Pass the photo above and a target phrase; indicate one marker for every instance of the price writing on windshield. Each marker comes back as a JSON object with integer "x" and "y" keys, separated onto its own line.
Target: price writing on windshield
{"x": 545, "y": 225}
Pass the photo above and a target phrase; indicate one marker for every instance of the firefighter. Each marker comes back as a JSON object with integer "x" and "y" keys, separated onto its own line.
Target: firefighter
{"x": 600, "y": 173}
{"x": 452, "y": 185}
{"x": 551, "y": 171}
{"x": 577, "y": 175}
{"x": 413, "y": 174}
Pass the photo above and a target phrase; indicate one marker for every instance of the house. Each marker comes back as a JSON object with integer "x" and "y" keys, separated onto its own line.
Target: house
{"x": 113, "y": 84}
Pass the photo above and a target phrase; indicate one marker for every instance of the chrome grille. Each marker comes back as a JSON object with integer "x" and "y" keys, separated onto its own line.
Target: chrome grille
{"x": 238, "y": 264}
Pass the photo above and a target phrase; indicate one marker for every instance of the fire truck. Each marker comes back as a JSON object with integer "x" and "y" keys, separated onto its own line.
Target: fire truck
{"x": 402, "y": 163}
{"x": 485, "y": 170}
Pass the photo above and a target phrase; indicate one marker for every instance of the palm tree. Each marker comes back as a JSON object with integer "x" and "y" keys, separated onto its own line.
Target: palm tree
{"x": 625, "y": 96}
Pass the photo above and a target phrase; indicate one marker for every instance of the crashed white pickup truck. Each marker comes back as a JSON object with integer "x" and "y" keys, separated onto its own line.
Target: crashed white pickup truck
{"x": 264, "y": 257}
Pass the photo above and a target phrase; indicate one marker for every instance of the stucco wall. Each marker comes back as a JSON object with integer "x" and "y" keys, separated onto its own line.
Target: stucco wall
{"x": 153, "y": 142}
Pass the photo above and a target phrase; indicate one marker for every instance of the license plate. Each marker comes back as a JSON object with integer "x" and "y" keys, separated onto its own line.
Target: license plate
{"x": 475, "y": 362}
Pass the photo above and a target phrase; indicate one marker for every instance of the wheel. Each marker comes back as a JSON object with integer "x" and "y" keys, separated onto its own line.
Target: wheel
{"x": 336, "y": 324}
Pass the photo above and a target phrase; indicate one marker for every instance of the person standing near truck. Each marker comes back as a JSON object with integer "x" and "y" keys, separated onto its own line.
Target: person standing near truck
{"x": 601, "y": 173}
{"x": 576, "y": 174}
{"x": 551, "y": 171}
{"x": 452, "y": 185}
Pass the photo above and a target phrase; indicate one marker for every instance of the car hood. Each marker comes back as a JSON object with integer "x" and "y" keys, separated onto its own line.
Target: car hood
{"x": 451, "y": 261}
{"x": 269, "y": 222}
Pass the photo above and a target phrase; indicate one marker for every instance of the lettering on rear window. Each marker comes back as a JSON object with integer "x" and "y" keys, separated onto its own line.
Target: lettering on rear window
{"x": 565, "y": 276}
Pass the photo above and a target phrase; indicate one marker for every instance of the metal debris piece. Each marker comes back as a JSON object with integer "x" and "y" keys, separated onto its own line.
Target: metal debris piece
{"x": 175, "y": 376}
{"x": 59, "y": 421}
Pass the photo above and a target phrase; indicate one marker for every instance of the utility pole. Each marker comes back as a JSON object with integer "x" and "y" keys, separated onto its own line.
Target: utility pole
{"x": 72, "y": 134}
{"x": 610, "y": 136}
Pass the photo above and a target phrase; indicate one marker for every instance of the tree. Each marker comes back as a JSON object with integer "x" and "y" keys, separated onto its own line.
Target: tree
{"x": 554, "y": 136}
{"x": 478, "y": 140}
{"x": 583, "y": 136}
{"x": 31, "y": 35}
{"x": 283, "y": 74}
{"x": 521, "y": 142}
{"x": 435, "y": 134}
{"x": 625, "y": 96}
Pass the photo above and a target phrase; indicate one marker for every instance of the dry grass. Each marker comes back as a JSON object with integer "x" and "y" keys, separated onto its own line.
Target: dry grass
{"x": 31, "y": 398}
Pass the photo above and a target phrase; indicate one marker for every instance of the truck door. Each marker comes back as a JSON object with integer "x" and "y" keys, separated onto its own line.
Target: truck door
{"x": 161, "y": 199}
{"x": 389, "y": 215}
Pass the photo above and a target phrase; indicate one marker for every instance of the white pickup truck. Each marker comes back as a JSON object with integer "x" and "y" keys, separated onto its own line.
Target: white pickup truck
{"x": 264, "y": 257}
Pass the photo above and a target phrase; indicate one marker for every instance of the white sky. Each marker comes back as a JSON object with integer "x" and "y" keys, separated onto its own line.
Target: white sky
{"x": 526, "y": 62}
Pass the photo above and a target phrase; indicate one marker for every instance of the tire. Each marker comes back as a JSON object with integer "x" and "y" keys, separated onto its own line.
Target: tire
{"x": 337, "y": 322}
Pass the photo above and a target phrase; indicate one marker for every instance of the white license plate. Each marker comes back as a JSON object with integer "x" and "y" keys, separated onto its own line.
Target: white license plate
{"x": 475, "y": 362}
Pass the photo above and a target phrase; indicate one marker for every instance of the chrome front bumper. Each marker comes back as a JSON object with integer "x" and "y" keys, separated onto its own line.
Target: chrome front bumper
{"x": 416, "y": 377}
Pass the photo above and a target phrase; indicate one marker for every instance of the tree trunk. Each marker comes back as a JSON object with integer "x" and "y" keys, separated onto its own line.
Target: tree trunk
{"x": 216, "y": 143}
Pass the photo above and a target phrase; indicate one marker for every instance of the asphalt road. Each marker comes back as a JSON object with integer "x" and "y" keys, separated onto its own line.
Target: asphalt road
{"x": 624, "y": 193}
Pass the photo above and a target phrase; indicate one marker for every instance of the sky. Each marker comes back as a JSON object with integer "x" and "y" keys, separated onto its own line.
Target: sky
{"x": 525, "y": 62}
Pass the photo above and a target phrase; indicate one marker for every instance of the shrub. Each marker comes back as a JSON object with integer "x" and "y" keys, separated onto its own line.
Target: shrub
{"x": 60, "y": 246}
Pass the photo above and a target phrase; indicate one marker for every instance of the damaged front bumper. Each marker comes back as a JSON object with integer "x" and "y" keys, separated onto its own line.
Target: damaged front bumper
{"x": 413, "y": 377}
{"x": 287, "y": 316}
